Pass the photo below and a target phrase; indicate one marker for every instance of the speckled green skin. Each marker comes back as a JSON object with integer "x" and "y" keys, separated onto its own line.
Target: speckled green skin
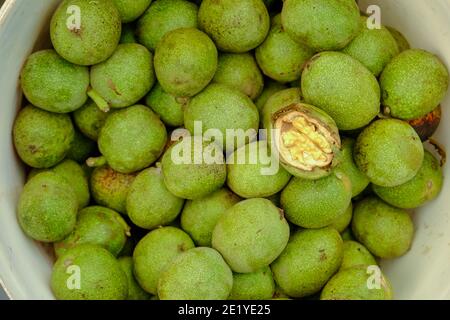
{"x": 54, "y": 84}
{"x": 149, "y": 203}
{"x": 123, "y": 89}
{"x": 240, "y": 71}
{"x": 110, "y": 188}
{"x": 389, "y": 152}
{"x": 424, "y": 187}
{"x": 343, "y": 88}
{"x": 309, "y": 260}
{"x": 132, "y": 139}
{"x": 374, "y": 48}
{"x": 199, "y": 217}
{"x": 402, "y": 42}
{"x": 168, "y": 107}
{"x": 413, "y": 84}
{"x": 128, "y": 35}
{"x": 218, "y": 100}
{"x": 316, "y": 203}
{"x": 348, "y": 166}
{"x": 321, "y": 24}
{"x": 278, "y": 101}
{"x": 190, "y": 180}
{"x": 386, "y": 231}
{"x": 96, "y": 225}
{"x": 164, "y": 16}
{"x": 251, "y": 235}
{"x": 280, "y": 57}
{"x": 185, "y": 62}
{"x": 351, "y": 284}
{"x": 42, "y": 139}
{"x": 343, "y": 221}
{"x": 90, "y": 119}
{"x": 197, "y": 274}
{"x": 246, "y": 179}
{"x": 270, "y": 88}
{"x": 258, "y": 285}
{"x": 101, "y": 277}
{"x": 81, "y": 148}
{"x": 355, "y": 254}
{"x": 130, "y": 10}
{"x": 155, "y": 252}
{"x": 274, "y": 108}
{"x": 99, "y": 34}
{"x": 47, "y": 207}
{"x": 235, "y": 25}
{"x": 74, "y": 175}
{"x": 135, "y": 292}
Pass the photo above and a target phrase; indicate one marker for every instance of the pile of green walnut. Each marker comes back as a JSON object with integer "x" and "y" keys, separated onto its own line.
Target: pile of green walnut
{"x": 346, "y": 109}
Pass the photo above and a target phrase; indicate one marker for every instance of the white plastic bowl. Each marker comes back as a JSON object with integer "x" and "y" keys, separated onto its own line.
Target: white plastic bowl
{"x": 25, "y": 266}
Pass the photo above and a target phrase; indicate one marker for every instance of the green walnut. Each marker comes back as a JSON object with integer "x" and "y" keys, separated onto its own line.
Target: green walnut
{"x": 90, "y": 119}
{"x": 193, "y": 168}
{"x": 413, "y": 84}
{"x": 54, "y": 84}
{"x": 86, "y": 32}
{"x": 209, "y": 107}
{"x": 343, "y": 221}
{"x": 251, "y": 235}
{"x": 135, "y": 292}
{"x": 373, "y": 47}
{"x": 88, "y": 272}
{"x": 355, "y": 254}
{"x": 149, "y": 203}
{"x": 155, "y": 252}
{"x": 308, "y": 262}
{"x": 352, "y": 284}
{"x": 316, "y": 203}
{"x": 47, "y": 207}
{"x": 114, "y": 88}
{"x": 424, "y": 187}
{"x": 385, "y": 230}
{"x": 81, "y": 148}
{"x": 130, "y": 10}
{"x": 347, "y": 165}
{"x": 185, "y": 62}
{"x": 236, "y": 26}
{"x": 74, "y": 174}
{"x": 270, "y": 88}
{"x": 96, "y": 225}
{"x": 257, "y": 285}
{"x": 42, "y": 139}
{"x": 197, "y": 274}
{"x": 323, "y": 25}
{"x": 200, "y": 216}
{"x": 131, "y": 139}
{"x": 168, "y": 107}
{"x": 240, "y": 71}
{"x": 110, "y": 188}
{"x": 401, "y": 40}
{"x": 254, "y": 173}
{"x": 342, "y": 87}
{"x": 280, "y": 57}
{"x": 389, "y": 152}
{"x": 162, "y": 17}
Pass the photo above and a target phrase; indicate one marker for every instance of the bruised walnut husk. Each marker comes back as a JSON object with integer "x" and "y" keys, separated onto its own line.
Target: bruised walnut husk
{"x": 307, "y": 140}
{"x": 427, "y": 125}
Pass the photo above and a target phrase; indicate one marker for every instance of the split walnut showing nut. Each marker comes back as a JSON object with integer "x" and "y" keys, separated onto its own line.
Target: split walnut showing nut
{"x": 306, "y": 138}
